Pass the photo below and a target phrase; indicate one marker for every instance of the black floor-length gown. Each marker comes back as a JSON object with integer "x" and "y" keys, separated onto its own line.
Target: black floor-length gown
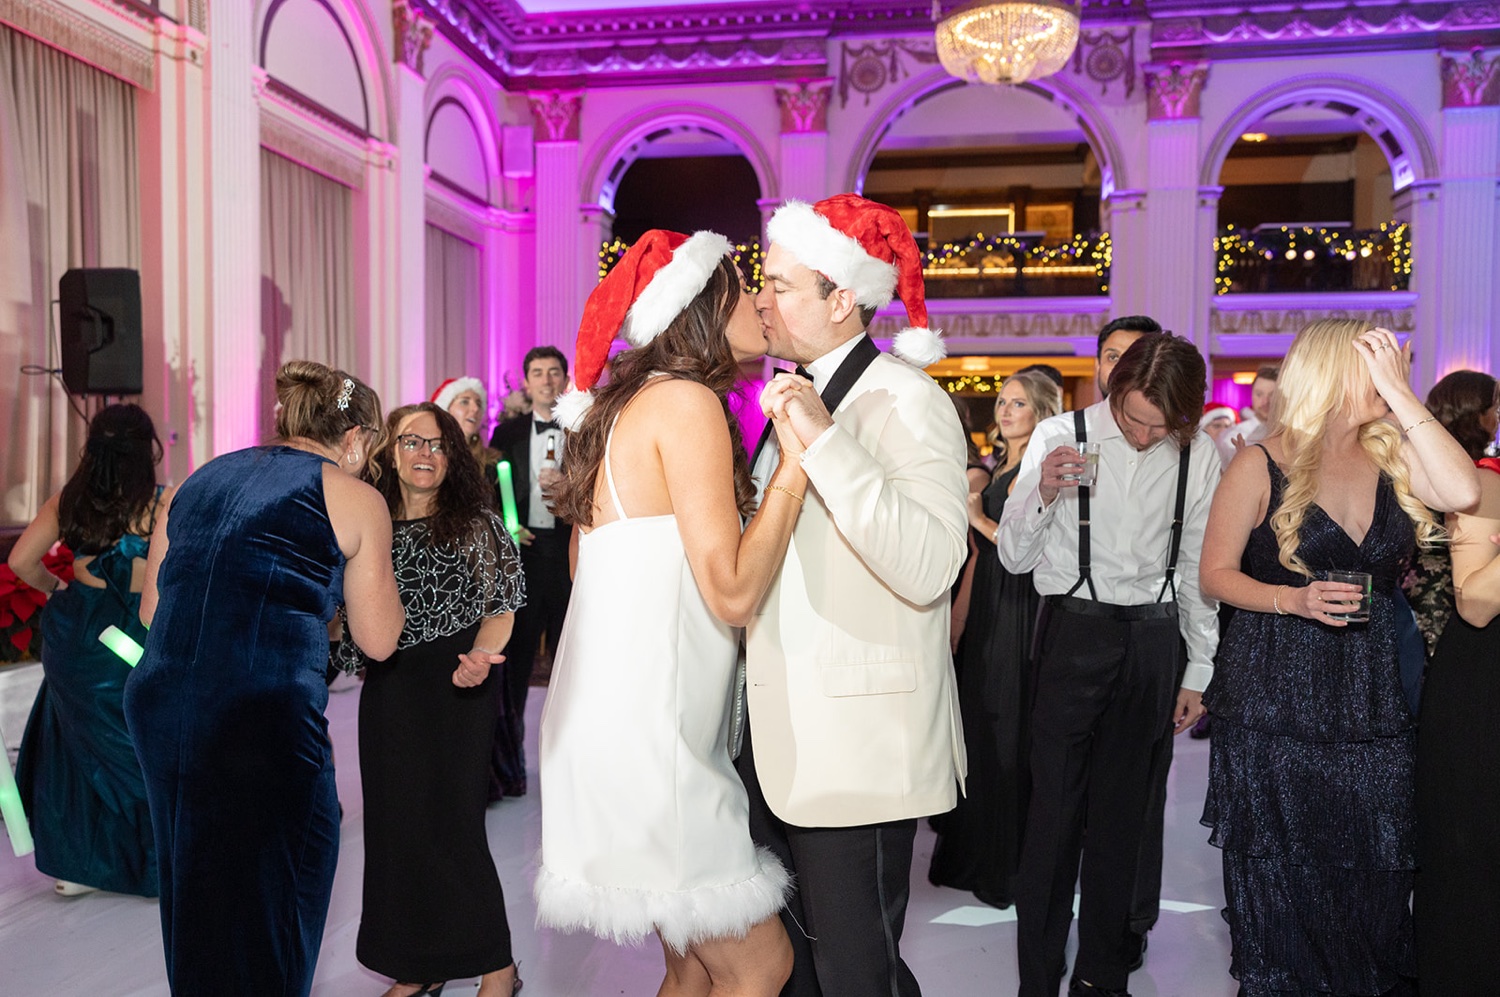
{"x": 433, "y": 905}
{"x": 979, "y": 841}
{"x": 1310, "y": 773}
{"x": 1457, "y": 910}
{"x": 226, "y": 711}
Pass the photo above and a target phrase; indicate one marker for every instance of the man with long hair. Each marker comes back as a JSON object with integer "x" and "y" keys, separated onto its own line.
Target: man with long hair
{"x": 851, "y": 694}
{"x": 1120, "y": 599}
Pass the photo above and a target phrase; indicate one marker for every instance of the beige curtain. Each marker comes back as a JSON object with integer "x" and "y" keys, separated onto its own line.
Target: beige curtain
{"x": 69, "y": 197}
{"x": 307, "y": 285}
{"x": 456, "y": 340}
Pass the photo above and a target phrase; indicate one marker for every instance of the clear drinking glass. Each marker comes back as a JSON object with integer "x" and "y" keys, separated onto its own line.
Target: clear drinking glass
{"x": 1090, "y": 472}
{"x": 1359, "y": 612}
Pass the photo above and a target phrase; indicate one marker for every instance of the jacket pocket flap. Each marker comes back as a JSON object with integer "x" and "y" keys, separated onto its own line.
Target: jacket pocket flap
{"x": 869, "y": 678}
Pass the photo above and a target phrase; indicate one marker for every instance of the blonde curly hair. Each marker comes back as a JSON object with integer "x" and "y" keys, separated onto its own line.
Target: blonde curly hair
{"x": 1321, "y": 372}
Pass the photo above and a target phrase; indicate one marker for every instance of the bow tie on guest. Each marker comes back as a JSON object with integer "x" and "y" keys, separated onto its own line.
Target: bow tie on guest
{"x": 543, "y": 425}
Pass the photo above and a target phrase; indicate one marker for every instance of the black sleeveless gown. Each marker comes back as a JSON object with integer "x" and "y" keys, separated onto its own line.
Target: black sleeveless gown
{"x": 226, "y": 710}
{"x": 1310, "y": 774}
{"x": 979, "y": 841}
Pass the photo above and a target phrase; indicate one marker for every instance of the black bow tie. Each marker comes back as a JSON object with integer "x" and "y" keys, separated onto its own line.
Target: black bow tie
{"x": 543, "y": 425}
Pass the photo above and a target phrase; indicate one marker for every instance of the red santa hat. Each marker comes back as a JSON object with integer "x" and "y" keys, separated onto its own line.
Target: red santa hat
{"x": 1216, "y": 410}
{"x": 455, "y": 386}
{"x": 654, "y": 281}
{"x": 863, "y": 246}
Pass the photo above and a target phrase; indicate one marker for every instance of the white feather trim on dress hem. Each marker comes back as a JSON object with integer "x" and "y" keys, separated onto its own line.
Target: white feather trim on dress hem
{"x": 626, "y": 915}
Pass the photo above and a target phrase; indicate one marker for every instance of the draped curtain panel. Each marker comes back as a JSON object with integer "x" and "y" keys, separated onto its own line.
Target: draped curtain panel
{"x": 456, "y": 340}
{"x": 307, "y": 285}
{"x": 69, "y": 197}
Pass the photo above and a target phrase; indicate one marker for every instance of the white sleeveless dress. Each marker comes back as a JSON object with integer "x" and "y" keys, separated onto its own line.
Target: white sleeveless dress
{"x": 644, "y": 820}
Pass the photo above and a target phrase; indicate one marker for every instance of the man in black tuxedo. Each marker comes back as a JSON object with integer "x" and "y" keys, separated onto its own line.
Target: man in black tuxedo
{"x": 533, "y": 444}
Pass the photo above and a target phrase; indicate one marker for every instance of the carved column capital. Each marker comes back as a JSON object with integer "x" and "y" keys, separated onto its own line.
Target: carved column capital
{"x": 554, "y": 114}
{"x": 412, "y": 31}
{"x": 804, "y": 105}
{"x": 1173, "y": 89}
{"x": 1471, "y": 79}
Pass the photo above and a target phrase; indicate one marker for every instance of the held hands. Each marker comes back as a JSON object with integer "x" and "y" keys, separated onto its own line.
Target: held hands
{"x": 1189, "y": 710}
{"x": 1389, "y": 363}
{"x": 1060, "y": 469}
{"x": 474, "y": 667}
{"x": 794, "y": 401}
{"x": 1317, "y": 599}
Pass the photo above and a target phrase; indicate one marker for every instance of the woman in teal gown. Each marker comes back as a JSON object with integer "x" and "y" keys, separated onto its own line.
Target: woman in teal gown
{"x": 78, "y": 774}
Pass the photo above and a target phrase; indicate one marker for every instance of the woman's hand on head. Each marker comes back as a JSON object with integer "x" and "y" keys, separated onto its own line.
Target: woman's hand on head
{"x": 1388, "y": 362}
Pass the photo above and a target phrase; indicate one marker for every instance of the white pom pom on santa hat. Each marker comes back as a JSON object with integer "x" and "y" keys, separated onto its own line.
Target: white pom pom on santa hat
{"x": 863, "y": 246}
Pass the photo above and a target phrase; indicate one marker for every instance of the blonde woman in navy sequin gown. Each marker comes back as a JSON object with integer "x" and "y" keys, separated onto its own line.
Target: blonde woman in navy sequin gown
{"x": 1310, "y": 775}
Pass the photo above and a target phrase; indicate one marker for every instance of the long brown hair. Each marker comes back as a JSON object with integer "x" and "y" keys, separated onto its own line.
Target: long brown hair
{"x": 115, "y": 483}
{"x": 693, "y": 348}
{"x": 462, "y": 495}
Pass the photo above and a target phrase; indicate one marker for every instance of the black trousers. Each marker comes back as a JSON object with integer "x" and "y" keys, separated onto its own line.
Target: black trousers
{"x": 848, "y": 910}
{"x": 548, "y": 588}
{"x": 1105, "y": 690}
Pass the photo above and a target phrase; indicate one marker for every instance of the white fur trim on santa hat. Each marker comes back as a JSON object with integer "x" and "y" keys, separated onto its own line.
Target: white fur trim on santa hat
{"x": 674, "y": 286}
{"x": 570, "y": 409}
{"x": 839, "y": 257}
{"x": 456, "y": 387}
{"x": 919, "y": 347}
{"x": 1221, "y": 412}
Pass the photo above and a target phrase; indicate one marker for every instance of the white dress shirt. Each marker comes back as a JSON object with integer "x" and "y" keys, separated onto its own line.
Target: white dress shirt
{"x": 822, "y": 371}
{"x": 1130, "y": 511}
{"x": 537, "y": 515}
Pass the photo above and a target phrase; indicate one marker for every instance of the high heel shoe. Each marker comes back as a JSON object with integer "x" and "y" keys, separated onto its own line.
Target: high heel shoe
{"x": 63, "y": 888}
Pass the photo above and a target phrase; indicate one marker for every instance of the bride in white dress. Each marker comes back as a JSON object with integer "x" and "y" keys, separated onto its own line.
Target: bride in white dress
{"x": 644, "y": 820}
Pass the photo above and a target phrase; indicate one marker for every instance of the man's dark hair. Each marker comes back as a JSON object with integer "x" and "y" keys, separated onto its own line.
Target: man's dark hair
{"x": 1130, "y": 323}
{"x": 1046, "y": 370}
{"x": 1270, "y": 372}
{"x": 827, "y": 287}
{"x": 543, "y": 353}
{"x": 1169, "y": 373}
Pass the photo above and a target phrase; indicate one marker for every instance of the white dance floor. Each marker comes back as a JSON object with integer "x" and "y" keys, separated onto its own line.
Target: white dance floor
{"x": 105, "y": 945}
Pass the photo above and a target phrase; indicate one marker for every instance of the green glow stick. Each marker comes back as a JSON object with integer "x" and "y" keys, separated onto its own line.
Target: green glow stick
{"x": 13, "y": 813}
{"x": 122, "y": 644}
{"x": 508, "y": 498}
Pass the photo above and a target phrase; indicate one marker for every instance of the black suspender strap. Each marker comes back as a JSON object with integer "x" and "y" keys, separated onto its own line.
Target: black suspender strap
{"x": 1182, "y": 479}
{"x": 1084, "y": 578}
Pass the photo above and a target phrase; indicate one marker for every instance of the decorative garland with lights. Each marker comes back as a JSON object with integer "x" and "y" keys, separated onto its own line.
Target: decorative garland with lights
{"x": 1242, "y": 250}
{"x": 748, "y": 256}
{"x": 980, "y": 255}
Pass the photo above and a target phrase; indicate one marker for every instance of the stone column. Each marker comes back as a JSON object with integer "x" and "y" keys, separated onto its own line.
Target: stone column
{"x": 562, "y": 279}
{"x": 412, "y": 33}
{"x": 1466, "y": 265}
{"x": 175, "y": 300}
{"x": 1420, "y": 206}
{"x": 233, "y": 181}
{"x": 1124, "y": 218}
{"x": 510, "y": 278}
{"x": 804, "y": 139}
{"x": 1174, "y": 238}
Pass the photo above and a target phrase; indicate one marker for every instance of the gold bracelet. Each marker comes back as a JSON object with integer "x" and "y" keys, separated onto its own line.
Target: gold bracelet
{"x": 1276, "y": 601}
{"x": 1419, "y": 422}
{"x": 779, "y": 488}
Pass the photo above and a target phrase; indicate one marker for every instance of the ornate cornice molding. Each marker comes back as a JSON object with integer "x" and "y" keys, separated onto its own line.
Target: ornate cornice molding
{"x": 554, "y": 115}
{"x": 297, "y": 131}
{"x": 1174, "y": 89}
{"x": 804, "y": 105}
{"x": 1471, "y": 79}
{"x": 445, "y": 210}
{"x": 1230, "y": 30}
{"x": 1263, "y": 314}
{"x": 84, "y": 38}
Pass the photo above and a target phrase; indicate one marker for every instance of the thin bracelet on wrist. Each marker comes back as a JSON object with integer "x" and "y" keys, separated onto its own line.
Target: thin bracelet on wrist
{"x": 788, "y": 491}
{"x": 1419, "y": 422}
{"x": 1276, "y": 601}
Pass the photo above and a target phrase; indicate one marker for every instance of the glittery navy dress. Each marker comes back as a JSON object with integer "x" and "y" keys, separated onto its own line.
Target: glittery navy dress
{"x": 1310, "y": 773}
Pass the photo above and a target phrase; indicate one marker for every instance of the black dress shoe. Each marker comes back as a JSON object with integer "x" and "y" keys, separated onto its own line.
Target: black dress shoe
{"x": 1081, "y": 988}
{"x": 1133, "y": 951}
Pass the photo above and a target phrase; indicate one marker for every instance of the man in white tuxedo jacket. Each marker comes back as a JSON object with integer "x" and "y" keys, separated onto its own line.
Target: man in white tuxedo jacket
{"x": 853, "y": 712}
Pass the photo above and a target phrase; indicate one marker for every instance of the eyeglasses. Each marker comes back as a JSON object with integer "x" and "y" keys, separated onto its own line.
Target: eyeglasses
{"x": 411, "y": 443}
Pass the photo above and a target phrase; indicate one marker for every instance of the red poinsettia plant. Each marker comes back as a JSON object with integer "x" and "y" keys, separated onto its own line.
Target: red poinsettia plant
{"x": 20, "y": 605}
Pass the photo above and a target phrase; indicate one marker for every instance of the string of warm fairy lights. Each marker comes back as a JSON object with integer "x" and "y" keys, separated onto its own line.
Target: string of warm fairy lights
{"x": 747, "y": 256}
{"x": 980, "y": 384}
{"x": 1390, "y": 243}
{"x": 1080, "y": 256}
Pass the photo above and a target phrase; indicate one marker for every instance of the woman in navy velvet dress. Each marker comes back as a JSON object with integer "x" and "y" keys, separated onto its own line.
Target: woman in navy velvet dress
{"x": 247, "y": 566}
{"x": 1310, "y": 775}
{"x": 78, "y": 773}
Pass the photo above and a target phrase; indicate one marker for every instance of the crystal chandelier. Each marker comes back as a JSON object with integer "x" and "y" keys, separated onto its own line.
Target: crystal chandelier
{"x": 1008, "y": 42}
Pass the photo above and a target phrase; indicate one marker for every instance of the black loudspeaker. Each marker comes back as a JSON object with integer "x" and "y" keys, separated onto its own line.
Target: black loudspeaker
{"x": 101, "y": 331}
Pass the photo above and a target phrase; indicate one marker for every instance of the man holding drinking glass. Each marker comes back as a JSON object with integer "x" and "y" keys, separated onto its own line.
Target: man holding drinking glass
{"x": 1117, "y": 565}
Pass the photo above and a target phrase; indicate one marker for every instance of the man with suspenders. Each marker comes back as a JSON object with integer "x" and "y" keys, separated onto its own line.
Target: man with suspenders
{"x": 1117, "y": 565}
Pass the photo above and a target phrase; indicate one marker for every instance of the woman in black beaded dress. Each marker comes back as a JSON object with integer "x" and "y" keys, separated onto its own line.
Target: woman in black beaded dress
{"x": 1310, "y": 773}
{"x": 433, "y": 906}
{"x": 979, "y": 842}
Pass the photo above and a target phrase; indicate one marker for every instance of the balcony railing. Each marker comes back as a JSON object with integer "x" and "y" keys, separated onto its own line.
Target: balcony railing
{"x": 1308, "y": 259}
